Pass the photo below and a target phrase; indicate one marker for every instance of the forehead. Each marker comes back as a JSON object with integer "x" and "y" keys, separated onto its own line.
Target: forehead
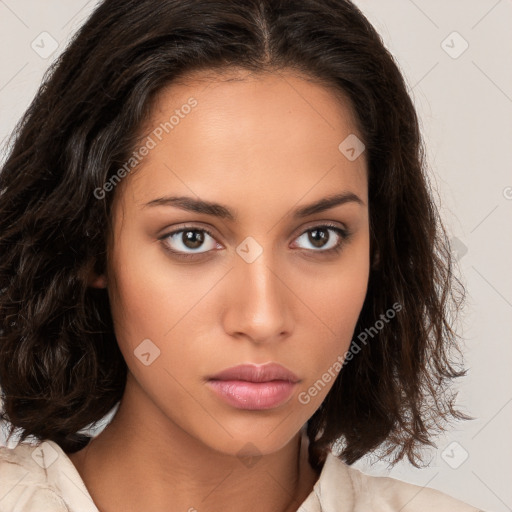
{"x": 275, "y": 136}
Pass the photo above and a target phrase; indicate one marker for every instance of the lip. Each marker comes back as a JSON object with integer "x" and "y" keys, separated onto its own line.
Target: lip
{"x": 256, "y": 373}
{"x": 254, "y": 387}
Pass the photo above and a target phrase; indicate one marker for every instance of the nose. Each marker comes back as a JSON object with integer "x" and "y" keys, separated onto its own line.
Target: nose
{"x": 259, "y": 302}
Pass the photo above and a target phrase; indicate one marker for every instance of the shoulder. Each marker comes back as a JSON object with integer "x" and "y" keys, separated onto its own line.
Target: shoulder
{"x": 340, "y": 483}
{"x": 39, "y": 478}
{"x": 403, "y": 496}
{"x": 24, "y": 484}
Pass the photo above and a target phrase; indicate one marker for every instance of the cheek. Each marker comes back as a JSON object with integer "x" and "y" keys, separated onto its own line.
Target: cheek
{"x": 158, "y": 301}
{"x": 339, "y": 309}
{"x": 136, "y": 295}
{"x": 337, "y": 294}
{"x": 148, "y": 295}
{"x": 337, "y": 302}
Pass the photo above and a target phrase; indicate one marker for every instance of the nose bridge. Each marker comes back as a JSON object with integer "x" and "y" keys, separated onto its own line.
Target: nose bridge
{"x": 260, "y": 306}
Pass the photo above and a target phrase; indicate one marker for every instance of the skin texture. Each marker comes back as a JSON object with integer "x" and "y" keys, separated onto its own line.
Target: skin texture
{"x": 262, "y": 145}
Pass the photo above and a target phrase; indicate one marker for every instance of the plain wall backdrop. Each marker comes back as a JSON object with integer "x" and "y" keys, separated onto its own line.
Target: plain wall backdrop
{"x": 456, "y": 57}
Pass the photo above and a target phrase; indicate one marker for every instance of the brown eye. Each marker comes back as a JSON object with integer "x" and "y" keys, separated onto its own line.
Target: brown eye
{"x": 318, "y": 237}
{"x": 322, "y": 238}
{"x": 182, "y": 241}
{"x": 192, "y": 239}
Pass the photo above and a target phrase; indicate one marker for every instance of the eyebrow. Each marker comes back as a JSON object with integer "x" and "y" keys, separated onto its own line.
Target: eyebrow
{"x": 218, "y": 210}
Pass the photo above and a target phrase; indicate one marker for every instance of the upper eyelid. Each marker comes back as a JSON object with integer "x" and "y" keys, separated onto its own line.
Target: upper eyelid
{"x": 210, "y": 231}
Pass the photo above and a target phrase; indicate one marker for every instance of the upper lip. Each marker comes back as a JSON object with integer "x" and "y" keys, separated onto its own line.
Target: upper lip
{"x": 256, "y": 373}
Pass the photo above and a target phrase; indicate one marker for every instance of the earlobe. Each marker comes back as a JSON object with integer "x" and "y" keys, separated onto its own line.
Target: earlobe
{"x": 376, "y": 260}
{"x": 96, "y": 281}
{"x": 93, "y": 275}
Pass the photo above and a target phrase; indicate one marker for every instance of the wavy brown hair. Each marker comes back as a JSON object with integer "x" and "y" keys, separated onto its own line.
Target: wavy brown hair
{"x": 60, "y": 366}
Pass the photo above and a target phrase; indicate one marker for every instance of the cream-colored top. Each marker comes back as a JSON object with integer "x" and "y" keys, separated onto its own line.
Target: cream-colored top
{"x": 42, "y": 478}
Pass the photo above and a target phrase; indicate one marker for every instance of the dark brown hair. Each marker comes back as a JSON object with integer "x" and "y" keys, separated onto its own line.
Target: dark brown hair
{"x": 60, "y": 367}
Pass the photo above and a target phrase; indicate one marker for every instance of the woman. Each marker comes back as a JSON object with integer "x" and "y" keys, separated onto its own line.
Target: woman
{"x": 215, "y": 216}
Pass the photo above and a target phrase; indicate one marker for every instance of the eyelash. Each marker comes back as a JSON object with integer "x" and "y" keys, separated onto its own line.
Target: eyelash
{"x": 343, "y": 234}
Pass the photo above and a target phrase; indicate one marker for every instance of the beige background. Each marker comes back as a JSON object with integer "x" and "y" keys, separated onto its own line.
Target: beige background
{"x": 464, "y": 99}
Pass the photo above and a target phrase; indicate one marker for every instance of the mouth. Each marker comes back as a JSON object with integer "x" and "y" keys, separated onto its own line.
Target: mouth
{"x": 254, "y": 387}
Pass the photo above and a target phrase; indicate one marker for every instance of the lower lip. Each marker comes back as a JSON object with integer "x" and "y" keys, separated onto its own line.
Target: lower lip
{"x": 253, "y": 395}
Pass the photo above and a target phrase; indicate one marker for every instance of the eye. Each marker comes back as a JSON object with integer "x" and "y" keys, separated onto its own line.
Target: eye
{"x": 322, "y": 241}
{"x": 178, "y": 242}
{"x": 187, "y": 242}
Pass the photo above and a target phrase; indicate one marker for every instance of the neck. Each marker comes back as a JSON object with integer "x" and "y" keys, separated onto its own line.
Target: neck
{"x": 180, "y": 473}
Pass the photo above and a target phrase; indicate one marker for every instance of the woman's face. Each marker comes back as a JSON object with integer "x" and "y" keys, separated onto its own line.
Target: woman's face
{"x": 251, "y": 281}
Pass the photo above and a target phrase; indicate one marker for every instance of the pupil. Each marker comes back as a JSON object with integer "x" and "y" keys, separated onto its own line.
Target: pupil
{"x": 192, "y": 239}
{"x": 322, "y": 237}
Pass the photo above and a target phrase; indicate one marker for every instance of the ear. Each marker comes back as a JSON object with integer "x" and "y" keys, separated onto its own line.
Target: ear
{"x": 376, "y": 259}
{"x": 97, "y": 281}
